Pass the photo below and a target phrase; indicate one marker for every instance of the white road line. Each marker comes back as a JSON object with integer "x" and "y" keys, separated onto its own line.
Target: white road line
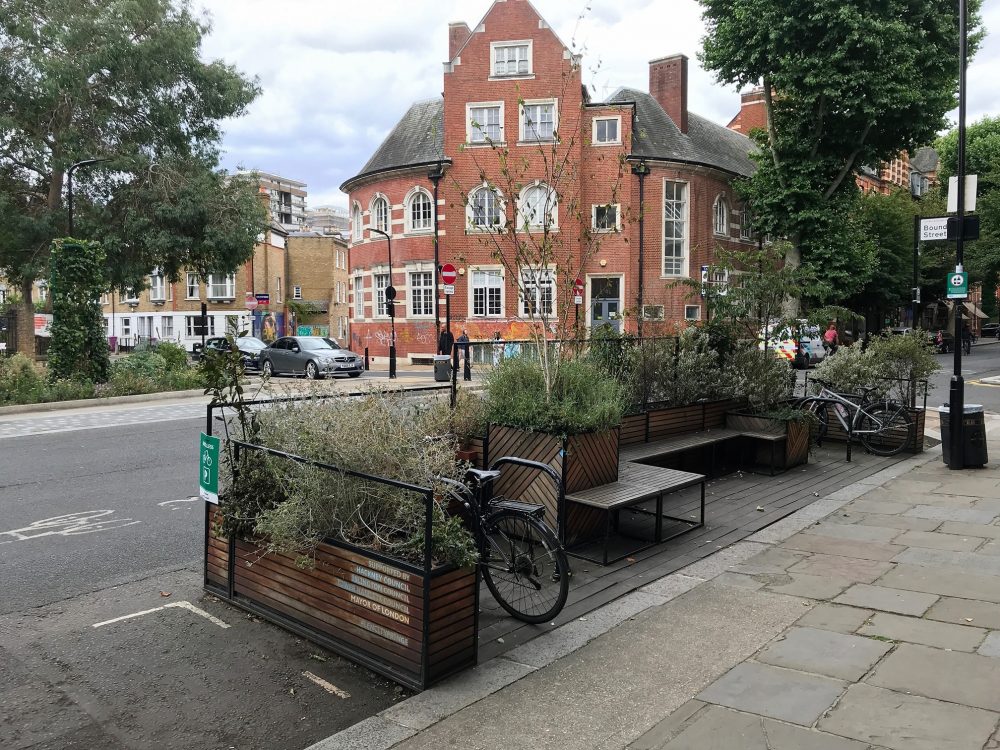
{"x": 172, "y": 502}
{"x": 182, "y": 605}
{"x": 327, "y": 686}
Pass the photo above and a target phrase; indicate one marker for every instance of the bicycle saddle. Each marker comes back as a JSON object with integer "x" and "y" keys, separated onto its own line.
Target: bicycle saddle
{"x": 482, "y": 476}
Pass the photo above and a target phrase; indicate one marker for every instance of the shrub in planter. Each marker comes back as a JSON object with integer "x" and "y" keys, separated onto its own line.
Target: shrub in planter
{"x": 173, "y": 354}
{"x": 758, "y": 376}
{"x": 21, "y": 380}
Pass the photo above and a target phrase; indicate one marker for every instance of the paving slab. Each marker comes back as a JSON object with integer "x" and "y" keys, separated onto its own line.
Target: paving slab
{"x": 925, "y": 632}
{"x": 904, "y": 485}
{"x": 904, "y": 523}
{"x": 854, "y": 532}
{"x": 740, "y": 580}
{"x": 977, "y": 486}
{"x": 990, "y": 548}
{"x": 991, "y": 646}
{"x": 965, "y": 515}
{"x": 724, "y": 559}
{"x": 887, "y": 599}
{"x": 835, "y": 566}
{"x": 805, "y": 585}
{"x": 988, "y": 531}
{"x": 908, "y": 722}
{"x": 935, "y": 540}
{"x": 945, "y": 581}
{"x": 885, "y": 507}
{"x": 771, "y": 691}
{"x": 775, "y": 560}
{"x": 846, "y": 657}
{"x": 968, "y": 561}
{"x": 966, "y": 612}
{"x": 842, "y": 547}
{"x": 836, "y": 617}
{"x": 968, "y": 679}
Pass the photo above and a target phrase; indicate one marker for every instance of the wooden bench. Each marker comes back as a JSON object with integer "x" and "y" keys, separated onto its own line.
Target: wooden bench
{"x": 638, "y": 483}
{"x": 681, "y": 443}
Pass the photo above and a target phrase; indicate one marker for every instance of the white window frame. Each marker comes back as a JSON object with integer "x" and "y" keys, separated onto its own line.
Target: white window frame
{"x": 357, "y": 223}
{"x": 167, "y": 327}
{"x": 618, "y": 217}
{"x": 421, "y": 294}
{"x": 720, "y": 216}
{"x": 157, "y": 287}
{"x": 551, "y": 206}
{"x": 192, "y": 282}
{"x": 470, "y": 212}
{"x": 529, "y": 67}
{"x": 687, "y": 312}
{"x": 296, "y": 292}
{"x": 227, "y": 286}
{"x": 618, "y": 131}
{"x": 377, "y": 200}
{"x": 129, "y": 296}
{"x": 476, "y": 135}
{"x": 381, "y": 306}
{"x": 359, "y": 297}
{"x": 523, "y": 120}
{"x": 413, "y": 226}
{"x": 746, "y": 227}
{"x": 685, "y": 235}
{"x": 485, "y": 278}
{"x": 537, "y": 285}
{"x": 125, "y": 326}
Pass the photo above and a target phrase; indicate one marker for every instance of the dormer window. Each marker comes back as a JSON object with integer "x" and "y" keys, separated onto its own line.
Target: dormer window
{"x": 511, "y": 58}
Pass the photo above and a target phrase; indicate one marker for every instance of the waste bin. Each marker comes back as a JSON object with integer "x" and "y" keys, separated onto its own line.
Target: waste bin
{"x": 973, "y": 435}
{"x": 442, "y": 368}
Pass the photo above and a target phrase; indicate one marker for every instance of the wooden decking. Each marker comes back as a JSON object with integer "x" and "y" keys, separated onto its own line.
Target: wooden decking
{"x": 731, "y": 515}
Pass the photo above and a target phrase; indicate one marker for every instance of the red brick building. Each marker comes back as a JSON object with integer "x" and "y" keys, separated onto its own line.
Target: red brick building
{"x": 513, "y": 97}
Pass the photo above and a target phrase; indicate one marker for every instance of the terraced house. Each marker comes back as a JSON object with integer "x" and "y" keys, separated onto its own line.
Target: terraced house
{"x": 640, "y": 195}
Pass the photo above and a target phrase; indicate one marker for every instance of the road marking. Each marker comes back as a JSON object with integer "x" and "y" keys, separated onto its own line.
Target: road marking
{"x": 982, "y": 384}
{"x": 173, "y": 605}
{"x": 172, "y": 502}
{"x": 71, "y": 524}
{"x": 327, "y": 686}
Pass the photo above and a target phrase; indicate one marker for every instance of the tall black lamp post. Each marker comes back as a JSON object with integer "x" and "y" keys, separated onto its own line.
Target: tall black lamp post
{"x": 390, "y": 306}
{"x": 69, "y": 187}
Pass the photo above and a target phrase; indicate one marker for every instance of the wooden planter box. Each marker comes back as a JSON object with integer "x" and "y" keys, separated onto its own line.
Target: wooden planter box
{"x": 385, "y": 614}
{"x": 656, "y": 423}
{"x": 795, "y": 450}
{"x": 581, "y": 461}
{"x": 836, "y": 432}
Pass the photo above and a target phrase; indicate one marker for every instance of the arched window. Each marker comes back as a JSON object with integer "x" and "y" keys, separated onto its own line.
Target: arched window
{"x": 539, "y": 207}
{"x": 484, "y": 208}
{"x": 356, "y": 226}
{"x": 721, "y": 216}
{"x": 420, "y": 212}
{"x": 746, "y": 224}
{"x": 380, "y": 214}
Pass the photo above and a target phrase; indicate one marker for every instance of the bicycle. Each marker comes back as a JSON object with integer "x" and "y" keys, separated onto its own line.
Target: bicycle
{"x": 524, "y": 565}
{"x": 883, "y": 426}
{"x": 967, "y": 345}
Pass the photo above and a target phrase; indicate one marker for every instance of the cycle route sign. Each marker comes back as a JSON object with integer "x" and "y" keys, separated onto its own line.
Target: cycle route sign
{"x": 208, "y": 469}
{"x": 957, "y": 285}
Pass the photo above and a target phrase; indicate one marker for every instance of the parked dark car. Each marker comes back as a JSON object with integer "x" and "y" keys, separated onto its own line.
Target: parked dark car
{"x": 990, "y": 331}
{"x": 312, "y": 356}
{"x": 249, "y": 346}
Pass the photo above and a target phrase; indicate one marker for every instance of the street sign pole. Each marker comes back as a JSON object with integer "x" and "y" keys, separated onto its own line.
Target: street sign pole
{"x": 956, "y": 400}
{"x": 916, "y": 273}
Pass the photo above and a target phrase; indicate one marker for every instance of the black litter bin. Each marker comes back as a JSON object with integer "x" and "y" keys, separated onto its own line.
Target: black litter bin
{"x": 973, "y": 435}
{"x": 442, "y": 368}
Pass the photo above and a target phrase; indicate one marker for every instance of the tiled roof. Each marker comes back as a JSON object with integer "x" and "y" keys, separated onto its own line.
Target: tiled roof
{"x": 418, "y": 138}
{"x": 924, "y": 160}
{"x": 657, "y": 137}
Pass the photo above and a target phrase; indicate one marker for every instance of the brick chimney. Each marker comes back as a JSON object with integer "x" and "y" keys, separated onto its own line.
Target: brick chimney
{"x": 458, "y": 35}
{"x": 668, "y": 84}
{"x": 753, "y": 113}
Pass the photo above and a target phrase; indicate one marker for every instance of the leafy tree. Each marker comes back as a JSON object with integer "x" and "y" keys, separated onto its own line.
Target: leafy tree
{"x": 845, "y": 84}
{"x": 121, "y": 80}
{"x": 78, "y": 350}
{"x": 982, "y": 154}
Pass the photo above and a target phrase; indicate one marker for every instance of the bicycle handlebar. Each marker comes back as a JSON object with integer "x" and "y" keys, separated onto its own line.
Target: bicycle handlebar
{"x": 518, "y": 461}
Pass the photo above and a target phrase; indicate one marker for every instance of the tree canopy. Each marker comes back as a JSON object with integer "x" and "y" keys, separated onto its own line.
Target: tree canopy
{"x": 121, "y": 80}
{"x": 846, "y": 84}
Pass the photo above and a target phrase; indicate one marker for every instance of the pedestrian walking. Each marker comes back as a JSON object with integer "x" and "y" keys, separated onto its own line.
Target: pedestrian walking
{"x": 497, "y": 348}
{"x": 830, "y": 339}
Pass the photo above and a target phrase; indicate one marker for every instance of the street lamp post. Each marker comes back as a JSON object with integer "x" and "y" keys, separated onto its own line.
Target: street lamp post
{"x": 69, "y": 187}
{"x": 390, "y": 306}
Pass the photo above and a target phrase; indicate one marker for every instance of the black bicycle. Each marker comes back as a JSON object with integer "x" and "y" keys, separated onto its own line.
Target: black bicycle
{"x": 523, "y": 564}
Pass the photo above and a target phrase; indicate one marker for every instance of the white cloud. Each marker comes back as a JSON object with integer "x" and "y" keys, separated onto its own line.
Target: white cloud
{"x": 337, "y": 76}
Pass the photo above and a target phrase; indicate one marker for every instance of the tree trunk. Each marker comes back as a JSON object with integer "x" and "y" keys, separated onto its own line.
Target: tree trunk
{"x": 793, "y": 259}
{"x": 26, "y": 322}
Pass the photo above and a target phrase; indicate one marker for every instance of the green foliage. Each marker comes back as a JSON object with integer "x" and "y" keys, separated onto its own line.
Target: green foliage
{"x": 147, "y": 364}
{"x": 79, "y": 349}
{"x": 21, "y": 380}
{"x": 848, "y": 85}
{"x": 174, "y": 355}
{"x": 583, "y": 397}
{"x": 888, "y": 221}
{"x": 847, "y": 370}
{"x": 889, "y": 364}
{"x": 760, "y": 377}
{"x": 466, "y": 421}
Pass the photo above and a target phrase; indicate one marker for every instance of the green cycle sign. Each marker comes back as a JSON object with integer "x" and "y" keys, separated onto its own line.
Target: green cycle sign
{"x": 957, "y": 285}
{"x": 208, "y": 475}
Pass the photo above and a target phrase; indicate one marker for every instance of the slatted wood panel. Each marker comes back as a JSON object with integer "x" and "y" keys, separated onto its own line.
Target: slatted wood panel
{"x": 715, "y": 412}
{"x": 591, "y": 460}
{"x": 918, "y": 417}
{"x": 633, "y": 429}
{"x": 216, "y": 551}
{"x": 522, "y": 483}
{"x": 476, "y": 444}
{"x": 452, "y": 635}
{"x": 796, "y": 444}
{"x": 675, "y": 421}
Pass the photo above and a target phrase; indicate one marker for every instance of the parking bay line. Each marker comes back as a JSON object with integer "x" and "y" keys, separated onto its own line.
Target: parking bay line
{"x": 327, "y": 686}
{"x": 182, "y": 605}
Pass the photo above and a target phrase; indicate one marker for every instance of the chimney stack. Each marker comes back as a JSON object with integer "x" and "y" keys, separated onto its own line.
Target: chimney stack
{"x": 668, "y": 84}
{"x": 753, "y": 113}
{"x": 458, "y": 35}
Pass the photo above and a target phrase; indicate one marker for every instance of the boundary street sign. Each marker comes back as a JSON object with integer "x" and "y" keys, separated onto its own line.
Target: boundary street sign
{"x": 933, "y": 229}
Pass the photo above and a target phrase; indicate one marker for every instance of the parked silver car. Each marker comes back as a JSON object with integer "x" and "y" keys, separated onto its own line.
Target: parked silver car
{"x": 312, "y": 356}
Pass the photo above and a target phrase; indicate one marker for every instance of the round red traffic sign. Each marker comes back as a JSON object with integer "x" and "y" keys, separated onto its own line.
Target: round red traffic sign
{"x": 578, "y": 287}
{"x": 251, "y": 302}
{"x": 448, "y": 273}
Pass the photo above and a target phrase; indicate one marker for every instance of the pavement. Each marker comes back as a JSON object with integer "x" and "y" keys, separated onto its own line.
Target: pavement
{"x": 869, "y": 620}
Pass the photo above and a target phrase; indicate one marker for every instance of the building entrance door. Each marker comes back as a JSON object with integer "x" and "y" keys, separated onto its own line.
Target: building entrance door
{"x": 605, "y": 303}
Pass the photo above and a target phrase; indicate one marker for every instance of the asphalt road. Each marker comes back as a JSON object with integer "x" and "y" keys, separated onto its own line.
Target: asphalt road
{"x": 983, "y": 362}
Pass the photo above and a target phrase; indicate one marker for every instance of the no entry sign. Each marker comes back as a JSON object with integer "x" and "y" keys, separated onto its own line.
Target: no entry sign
{"x": 448, "y": 273}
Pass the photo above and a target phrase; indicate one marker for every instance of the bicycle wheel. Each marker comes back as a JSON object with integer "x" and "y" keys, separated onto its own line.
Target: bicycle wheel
{"x": 823, "y": 422}
{"x": 525, "y": 568}
{"x": 886, "y": 428}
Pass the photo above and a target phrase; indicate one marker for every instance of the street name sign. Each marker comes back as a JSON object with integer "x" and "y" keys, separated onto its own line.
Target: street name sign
{"x": 263, "y": 299}
{"x": 935, "y": 228}
{"x": 209, "y": 448}
{"x": 958, "y": 285}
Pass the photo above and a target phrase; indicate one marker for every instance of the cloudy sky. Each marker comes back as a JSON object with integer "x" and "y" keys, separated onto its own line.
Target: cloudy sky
{"x": 338, "y": 75}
